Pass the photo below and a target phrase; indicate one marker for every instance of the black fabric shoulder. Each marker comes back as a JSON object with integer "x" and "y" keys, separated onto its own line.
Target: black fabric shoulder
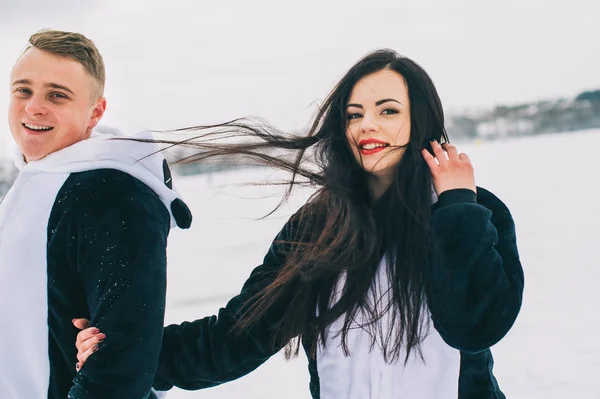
{"x": 490, "y": 200}
{"x": 97, "y": 191}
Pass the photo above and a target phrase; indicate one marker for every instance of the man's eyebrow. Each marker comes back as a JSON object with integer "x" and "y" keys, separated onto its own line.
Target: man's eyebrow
{"x": 22, "y": 82}
{"x": 60, "y": 87}
{"x": 51, "y": 85}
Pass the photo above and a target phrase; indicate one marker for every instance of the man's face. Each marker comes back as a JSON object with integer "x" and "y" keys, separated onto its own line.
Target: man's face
{"x": 52, "y": 104}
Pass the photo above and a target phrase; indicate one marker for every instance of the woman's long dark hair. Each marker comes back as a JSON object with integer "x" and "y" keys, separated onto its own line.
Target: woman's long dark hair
{"x": 342, "y": 232}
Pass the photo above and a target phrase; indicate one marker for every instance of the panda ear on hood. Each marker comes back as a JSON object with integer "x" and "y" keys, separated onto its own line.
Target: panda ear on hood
{"x": 181, "y": 212}
{"x": 168, "y": 179}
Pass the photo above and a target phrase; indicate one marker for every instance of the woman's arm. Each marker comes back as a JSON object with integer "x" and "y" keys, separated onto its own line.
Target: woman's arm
{"x": 205, "y": 352}
{"x": 476, "y": 278}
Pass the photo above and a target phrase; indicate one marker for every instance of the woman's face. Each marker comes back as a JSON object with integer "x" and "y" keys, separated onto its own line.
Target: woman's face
{"x": 377, "y": 121}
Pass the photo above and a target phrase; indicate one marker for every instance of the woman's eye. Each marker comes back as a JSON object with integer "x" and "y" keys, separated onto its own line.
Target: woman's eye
{"x": 389, "y": 111}
{"x": 353, "y": 116}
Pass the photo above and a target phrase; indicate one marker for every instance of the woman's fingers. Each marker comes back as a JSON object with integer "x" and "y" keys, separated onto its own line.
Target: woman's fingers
{"x": 464, "y": 157}
{"x": 429, "y": 159}
{"x": 81, "y": 323}
{"x": 88, "y": 343}
{"x": 82, "y": 356}
{"x": 451, "y": 151}
{"x": 439, "y": 152}
{"x": 449, "y": 168}
{"x": 86, "y": 335}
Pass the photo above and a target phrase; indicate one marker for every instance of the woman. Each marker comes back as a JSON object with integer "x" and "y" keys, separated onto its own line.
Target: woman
{"x": 396, "y": 277}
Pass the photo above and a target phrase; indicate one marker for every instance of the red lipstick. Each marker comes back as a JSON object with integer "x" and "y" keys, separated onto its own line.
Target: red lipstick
{"x": 373, "y": 146}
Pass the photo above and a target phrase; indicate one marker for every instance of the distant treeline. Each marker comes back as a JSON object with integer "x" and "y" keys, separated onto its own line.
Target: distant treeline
{"x": 542, "y": 117}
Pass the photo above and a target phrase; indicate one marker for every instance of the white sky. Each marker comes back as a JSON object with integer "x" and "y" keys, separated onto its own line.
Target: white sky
{"x": 176, "y": 63}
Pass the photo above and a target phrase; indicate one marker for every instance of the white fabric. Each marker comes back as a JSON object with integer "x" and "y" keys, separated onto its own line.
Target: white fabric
{"x": 23, "y": 286}
{"x": 101, "y": 151}
{"x": 160, "y": 394}
{"x": 365, "y": 375}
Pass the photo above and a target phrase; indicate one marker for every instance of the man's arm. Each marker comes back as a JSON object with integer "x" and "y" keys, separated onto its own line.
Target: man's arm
{"x": 122, "y": 266}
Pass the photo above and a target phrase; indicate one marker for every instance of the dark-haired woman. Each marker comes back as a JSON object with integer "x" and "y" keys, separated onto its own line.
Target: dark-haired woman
{"x": 396, "y": 277}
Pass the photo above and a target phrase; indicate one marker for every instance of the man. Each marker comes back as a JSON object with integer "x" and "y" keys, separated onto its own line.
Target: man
{"x": 83, "y": 232}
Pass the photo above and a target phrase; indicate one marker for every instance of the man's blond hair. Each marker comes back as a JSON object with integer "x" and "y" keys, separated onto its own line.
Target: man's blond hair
{"x": 76, "y": 47}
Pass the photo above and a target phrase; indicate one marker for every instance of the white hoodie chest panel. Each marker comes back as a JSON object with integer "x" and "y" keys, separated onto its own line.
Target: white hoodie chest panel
{"x": 365, "y": 375}
{"x": 23, "y": 285}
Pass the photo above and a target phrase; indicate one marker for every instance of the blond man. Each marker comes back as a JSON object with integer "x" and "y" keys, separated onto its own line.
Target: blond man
{"x": 83, "y": 232}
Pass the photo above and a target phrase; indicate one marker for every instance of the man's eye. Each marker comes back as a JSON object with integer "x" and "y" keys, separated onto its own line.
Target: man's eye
{"x": 58, "y": 95}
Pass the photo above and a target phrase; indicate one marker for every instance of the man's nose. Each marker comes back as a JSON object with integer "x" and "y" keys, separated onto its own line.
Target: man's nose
{"x": 35, "y": 106}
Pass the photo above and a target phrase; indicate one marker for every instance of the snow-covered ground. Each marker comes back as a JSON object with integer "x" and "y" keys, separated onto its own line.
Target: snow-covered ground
{"x": 550, "y": 184}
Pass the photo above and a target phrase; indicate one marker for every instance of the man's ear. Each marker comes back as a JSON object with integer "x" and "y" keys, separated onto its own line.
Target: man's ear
{"x": 97, "y": 112}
